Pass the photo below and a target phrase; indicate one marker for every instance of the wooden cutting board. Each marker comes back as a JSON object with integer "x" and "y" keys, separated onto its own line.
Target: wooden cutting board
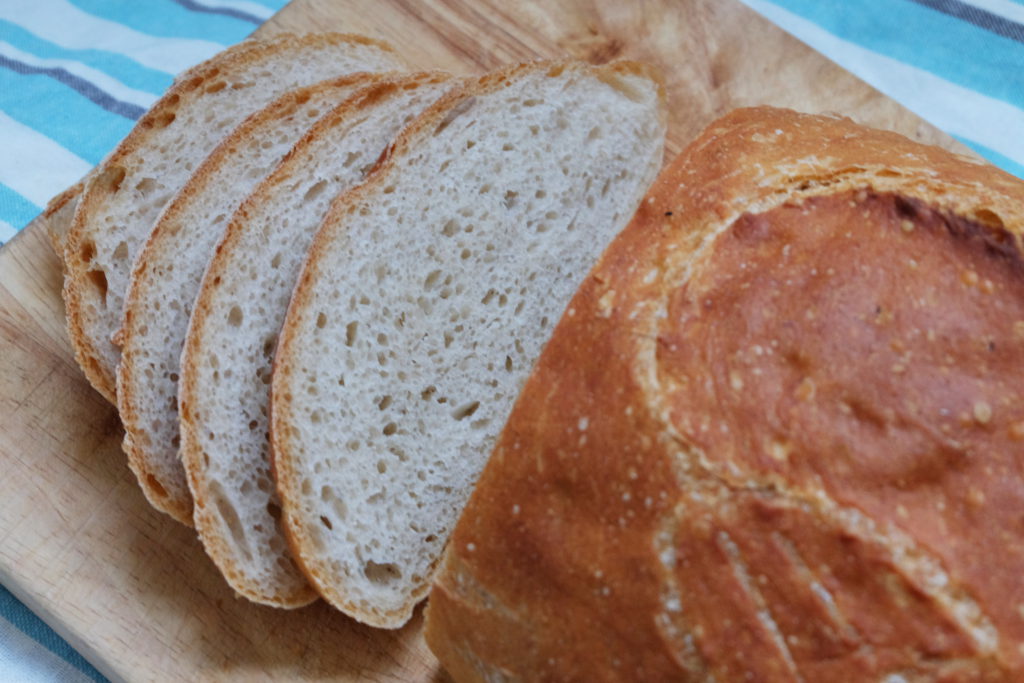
{"x": 132, "y": 590}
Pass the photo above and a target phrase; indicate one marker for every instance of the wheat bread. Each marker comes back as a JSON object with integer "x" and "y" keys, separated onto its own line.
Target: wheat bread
{"x": 123, "y": 197}
{"x": 167, "y": 272}
{"x": 228, "y": 353}
{"x": 778, "y": 439}
{"x": 427, "y": 295}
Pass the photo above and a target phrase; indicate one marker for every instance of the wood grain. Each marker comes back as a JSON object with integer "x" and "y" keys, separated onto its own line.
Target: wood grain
{"x": 130, "y": 588}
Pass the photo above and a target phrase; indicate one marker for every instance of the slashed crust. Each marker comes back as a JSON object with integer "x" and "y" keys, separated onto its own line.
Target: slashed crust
{"x": 570, "y": 560}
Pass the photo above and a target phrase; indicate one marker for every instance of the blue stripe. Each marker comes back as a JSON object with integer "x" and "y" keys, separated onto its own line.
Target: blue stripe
{"x": 34, "y": 627}
{"x": 76, "y": 124}
{"x": 936, "y": 43}
{"x": 227, "y": 12}
{"x": 979, "y": 17}
{"x": 1005, "y": 163}
{"x": 80, "y": 85}
{"x": 121, "y": 68}
{"x": 167, "y": 19}
{"x": 15, "y": 209}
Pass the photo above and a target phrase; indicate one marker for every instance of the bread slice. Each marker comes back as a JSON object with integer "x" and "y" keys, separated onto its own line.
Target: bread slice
{"x": 121, "y": 201}
{"x": 427, "y": 295}
{"x": 227, "y": 358}
{"x": 167, "y": 273}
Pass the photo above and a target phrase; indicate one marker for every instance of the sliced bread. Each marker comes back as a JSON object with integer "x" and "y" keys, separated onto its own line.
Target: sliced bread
{"x": 427, "y": 295}
{"x": 121, "y": 201}
{"x": 167, "y": 272}
{"x": 228, "y": 353}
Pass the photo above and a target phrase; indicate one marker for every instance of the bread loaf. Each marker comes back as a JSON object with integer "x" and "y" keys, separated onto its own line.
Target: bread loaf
{"x": 427, "y": 295}
{"x": 165, "y": 280}
{"x": 240, "y": 307}
{"x": 777, "y": 436}
{"x": 123, "y": 197}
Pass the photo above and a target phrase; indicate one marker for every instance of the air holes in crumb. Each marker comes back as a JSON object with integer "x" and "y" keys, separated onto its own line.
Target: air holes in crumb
{"x": 350, "y": 333}
{"x": 427, "y": 393}
{"x": 321, "y": 320}
{"x": 431, "y": 280}
{"x": 230, "y": 516}
{"x": 326, "y": 522}
{"x": 381, "y": 573}
{"x": 456, "y": 111}
{"x": 164, "y": 119}
{"x": 98, "y": 278}
{"x": 510, "y": 198}
{"x": 389, "y": 429}
{"x": 121, "y": 252}
{"x": 253, "y": 424}
{"x": 450, "y": 228}
{"x": 235, "y": 316}
{"x": 384, "y": 402}
{"x": 466, "y": 253}
{"x": 155, "y": 487}
{"x": 382, "y": 466}
{"x": 276, "y": 261}
{"x": 315, "y": 191}
{"x": 465, "y": 410}
{"x": 88, "y": 251}
{"x": 508, "y": 363}
{"x": 111, "y": 178}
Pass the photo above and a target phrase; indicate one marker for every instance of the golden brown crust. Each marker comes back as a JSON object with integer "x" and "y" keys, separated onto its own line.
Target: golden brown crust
{"x": 59, "y": 213}
{"x": 77, "y": 291}
{"x": 288, "y": 479}
{"x": 612, "y": 536}
{"x": 378, "y": 86}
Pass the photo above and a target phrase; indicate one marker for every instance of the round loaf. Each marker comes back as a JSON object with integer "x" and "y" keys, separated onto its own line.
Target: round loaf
{"x": 777, "y": 435}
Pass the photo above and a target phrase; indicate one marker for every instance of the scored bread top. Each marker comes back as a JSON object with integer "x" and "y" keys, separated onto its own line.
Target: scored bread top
{"x": 167, "y": 272}
{"x": 427, "y": 295}
{"x": 780, "y": 435}
{"x": 226, "y": 363}
{"x": 123, "y": 198}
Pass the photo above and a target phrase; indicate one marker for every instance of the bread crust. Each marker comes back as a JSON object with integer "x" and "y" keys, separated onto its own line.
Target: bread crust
{"x": 211, "y": 531}
{"x": 597, "y": 541}
{"x": 76, "y": 292}
{"x": 287, "y": 477}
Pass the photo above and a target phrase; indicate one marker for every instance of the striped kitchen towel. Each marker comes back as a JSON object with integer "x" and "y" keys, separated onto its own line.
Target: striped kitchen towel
{"x": 958, "y": 64}
{"x": 76, "y": 74}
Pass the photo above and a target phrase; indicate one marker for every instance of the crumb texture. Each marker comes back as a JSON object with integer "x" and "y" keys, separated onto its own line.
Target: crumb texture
{"x": 242, "y": 303}
{"x": 122, "y": 201}
{"x": 431, "y": 296}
